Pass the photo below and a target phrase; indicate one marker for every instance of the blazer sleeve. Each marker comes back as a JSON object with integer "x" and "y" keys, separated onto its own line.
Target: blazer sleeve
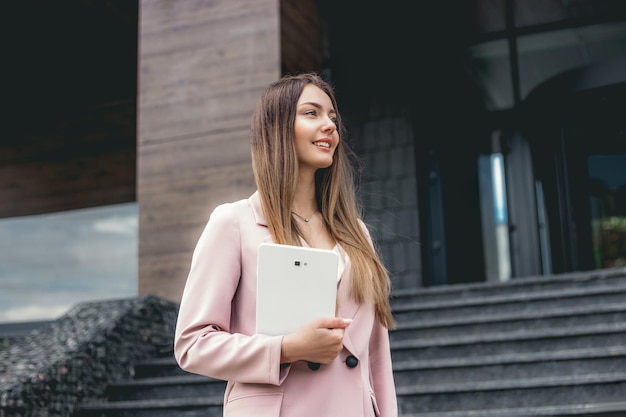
{"x": 381, "y": 367}
{"x": 381, "y": 371}
{"x": 203, "y": 342}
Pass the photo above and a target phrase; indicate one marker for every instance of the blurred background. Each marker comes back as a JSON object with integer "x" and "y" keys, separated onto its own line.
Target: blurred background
{"x": 490, "y": 131}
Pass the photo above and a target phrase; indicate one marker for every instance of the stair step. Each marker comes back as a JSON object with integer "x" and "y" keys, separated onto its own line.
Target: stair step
{"x": 518, "y": 342}
{"x": 526, "y": 285}
{"x": 509, "y": 303}
{"x": 166, "y": 366}
{"x": 558, "y": 317}
{"x": 501, "y": 367}
{"x": 555, "y": 355}
{"x": 166, "y": 387}
{"x": 609, "y": 409}
{"x": 515, "y": 393}
{"x": 183, "y": 407}
{"x": 542, "y": 346}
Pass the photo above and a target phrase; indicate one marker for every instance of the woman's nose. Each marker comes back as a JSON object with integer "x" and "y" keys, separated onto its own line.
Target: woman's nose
{"x": 329, "y": 124}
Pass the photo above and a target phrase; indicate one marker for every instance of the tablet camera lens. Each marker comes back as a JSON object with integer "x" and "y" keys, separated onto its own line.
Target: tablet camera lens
{"x": 296, "y": 263}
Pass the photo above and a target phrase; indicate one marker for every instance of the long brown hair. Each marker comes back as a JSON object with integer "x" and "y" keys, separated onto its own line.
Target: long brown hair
{"x": 275, "y": 167}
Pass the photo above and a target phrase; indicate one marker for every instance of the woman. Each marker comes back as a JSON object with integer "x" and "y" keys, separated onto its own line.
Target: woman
{"x": 305, "y": 196}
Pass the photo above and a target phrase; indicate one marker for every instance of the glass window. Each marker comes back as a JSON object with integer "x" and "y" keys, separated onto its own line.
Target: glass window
{"x": 539, "y": 12}
{"x": 607, "y": 174}
{"x": 541, "y": 57}
{"x": 544, "y": 55}
{"x": 494, "y": 214}
{"x": 50, "y": 262}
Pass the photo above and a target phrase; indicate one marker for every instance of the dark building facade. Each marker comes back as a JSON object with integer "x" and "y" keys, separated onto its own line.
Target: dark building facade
{"x": 503, "y": 117}
{"x": 490, "y": 131}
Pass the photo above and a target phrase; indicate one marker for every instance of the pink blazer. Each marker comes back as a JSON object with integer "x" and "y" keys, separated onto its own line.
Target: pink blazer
{"x": 215, "y": 334}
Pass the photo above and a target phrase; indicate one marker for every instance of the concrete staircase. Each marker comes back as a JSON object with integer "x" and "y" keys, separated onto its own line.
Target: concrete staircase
{"x": 545, "y": 346}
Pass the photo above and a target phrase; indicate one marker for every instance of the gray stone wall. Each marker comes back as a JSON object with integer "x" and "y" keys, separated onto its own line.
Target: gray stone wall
{"x": 389, "y": 194}
{"x": 72, "y": 359}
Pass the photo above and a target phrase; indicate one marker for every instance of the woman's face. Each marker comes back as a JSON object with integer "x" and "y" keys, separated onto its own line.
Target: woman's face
{"x": 316, "y": 136}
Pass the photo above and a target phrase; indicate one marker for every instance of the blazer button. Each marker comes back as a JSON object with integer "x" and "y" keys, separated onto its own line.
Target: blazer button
{"x": 351, "y": 361}
{"x": 314, "y": 366}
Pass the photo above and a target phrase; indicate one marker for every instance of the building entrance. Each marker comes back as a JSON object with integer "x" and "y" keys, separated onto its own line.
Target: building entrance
{"x": 579, "y": 147}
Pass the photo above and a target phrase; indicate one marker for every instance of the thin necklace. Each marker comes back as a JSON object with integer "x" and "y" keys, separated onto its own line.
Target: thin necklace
{"x": 306, "y": 219}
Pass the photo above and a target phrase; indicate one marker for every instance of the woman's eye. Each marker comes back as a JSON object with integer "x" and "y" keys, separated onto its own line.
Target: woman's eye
{"x": 310, "y": 112}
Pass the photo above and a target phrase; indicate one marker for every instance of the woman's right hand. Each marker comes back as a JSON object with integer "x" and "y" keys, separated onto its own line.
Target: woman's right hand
{"x": 320, "y": 341}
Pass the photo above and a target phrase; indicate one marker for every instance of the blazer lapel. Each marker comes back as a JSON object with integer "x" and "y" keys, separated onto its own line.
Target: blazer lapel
{"x": 347, "y": 306}
{"x": 257, "y": 210}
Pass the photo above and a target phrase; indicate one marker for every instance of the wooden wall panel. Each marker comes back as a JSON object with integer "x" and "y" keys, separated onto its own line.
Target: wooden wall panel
{"x": 186, "y": 201}
{"x": 202, "y": 68}
{"x": 161, "y": 268}
{"x": 83, "y": 159}
{"x": 301, "y": 36}
{"x": 74, "y": 182}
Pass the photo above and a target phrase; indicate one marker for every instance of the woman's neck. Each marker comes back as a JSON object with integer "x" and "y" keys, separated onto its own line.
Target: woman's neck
{"x": 304, "y": 202}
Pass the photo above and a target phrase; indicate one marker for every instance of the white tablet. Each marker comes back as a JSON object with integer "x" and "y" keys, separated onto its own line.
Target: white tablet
{"x": 294, "y": 286}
